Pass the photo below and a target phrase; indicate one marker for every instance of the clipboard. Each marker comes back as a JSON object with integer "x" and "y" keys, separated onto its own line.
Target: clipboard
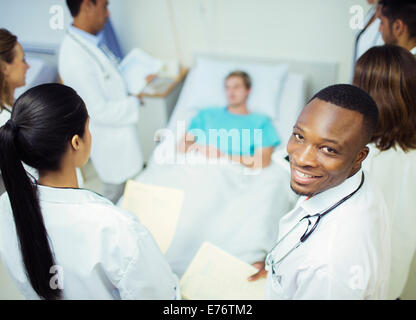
{"x": 216, "y": 275}
{"x": 158, "y": 209}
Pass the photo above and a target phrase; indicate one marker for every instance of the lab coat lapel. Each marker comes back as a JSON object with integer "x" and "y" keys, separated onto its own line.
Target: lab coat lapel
{"x": 95, "y": 53}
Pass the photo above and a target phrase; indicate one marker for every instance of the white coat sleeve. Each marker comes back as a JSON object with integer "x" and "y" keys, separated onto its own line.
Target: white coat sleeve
{"x": 320, "y": 284}
{"x": 136, "y": 266}
{"x": 119, "y": 112}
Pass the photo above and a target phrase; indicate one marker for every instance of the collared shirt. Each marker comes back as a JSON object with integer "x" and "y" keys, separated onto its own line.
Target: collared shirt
{"x": 97, "y": 41}
{"x": 103, "y": 252}
{"x": 348, "y": 254}
{"x": 413, "y": 51}
{"x": 91, "y": 38}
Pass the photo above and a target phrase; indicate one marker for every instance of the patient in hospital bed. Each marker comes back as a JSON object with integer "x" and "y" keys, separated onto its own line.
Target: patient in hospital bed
{"x": 230, "y": 205}
{"x": 232, "y": 132}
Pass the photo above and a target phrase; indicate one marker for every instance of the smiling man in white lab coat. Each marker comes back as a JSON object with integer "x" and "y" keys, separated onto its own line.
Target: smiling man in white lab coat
{"x": 345, "y": 252}
{"x": 89, "y": 67}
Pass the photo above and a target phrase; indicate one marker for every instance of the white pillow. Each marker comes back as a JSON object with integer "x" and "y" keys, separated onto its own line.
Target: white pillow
{"x": 207, "y": 88}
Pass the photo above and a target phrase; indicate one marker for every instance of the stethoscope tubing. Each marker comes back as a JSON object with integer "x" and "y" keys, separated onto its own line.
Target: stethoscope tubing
{"x": 307, "y": 234}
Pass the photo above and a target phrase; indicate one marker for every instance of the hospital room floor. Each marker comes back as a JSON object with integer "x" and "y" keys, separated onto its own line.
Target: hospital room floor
{"x": 9, "y": 292}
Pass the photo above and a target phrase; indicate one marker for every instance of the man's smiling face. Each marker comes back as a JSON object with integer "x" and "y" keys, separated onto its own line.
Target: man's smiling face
{"x": 327, "y": 147}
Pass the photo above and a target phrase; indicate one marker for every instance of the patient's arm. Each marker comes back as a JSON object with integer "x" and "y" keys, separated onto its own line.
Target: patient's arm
{"x": 186, "y": 142}
{"x": 261, "y": 158}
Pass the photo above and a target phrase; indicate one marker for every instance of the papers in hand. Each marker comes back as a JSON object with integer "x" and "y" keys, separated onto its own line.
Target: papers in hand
{"x": 216, "y": 275}
{"x": 135, "y": 67}
{"x": 157, "y": 208}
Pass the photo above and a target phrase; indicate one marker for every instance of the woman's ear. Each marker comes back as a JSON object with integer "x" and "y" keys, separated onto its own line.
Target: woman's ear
{"x": 5, "y": 69}
{"x": 75, "y": 142}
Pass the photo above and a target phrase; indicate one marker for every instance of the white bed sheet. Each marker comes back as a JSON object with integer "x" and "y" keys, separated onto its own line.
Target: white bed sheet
{"x": 223, "y": 205}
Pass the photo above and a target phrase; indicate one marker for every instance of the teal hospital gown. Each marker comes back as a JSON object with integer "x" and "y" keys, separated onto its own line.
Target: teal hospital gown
{"x": 233, "y": 134}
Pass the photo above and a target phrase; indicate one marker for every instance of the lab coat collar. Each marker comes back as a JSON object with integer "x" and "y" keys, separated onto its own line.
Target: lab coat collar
{"x": 69, "y": 195}
{"x": 90, "y": 38}
{"x": 324, "y": 200}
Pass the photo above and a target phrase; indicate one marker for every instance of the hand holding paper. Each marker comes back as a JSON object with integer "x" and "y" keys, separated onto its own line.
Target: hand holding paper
{"x": 135, "y": 68}
{"x": 216, "y": 275}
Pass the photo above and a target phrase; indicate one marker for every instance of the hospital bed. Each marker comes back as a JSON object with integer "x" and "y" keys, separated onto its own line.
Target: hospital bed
{"x": 223, "y": 204}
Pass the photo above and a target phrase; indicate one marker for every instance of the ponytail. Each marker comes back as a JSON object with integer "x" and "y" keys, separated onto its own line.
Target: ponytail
{"x": 32, "y": 236}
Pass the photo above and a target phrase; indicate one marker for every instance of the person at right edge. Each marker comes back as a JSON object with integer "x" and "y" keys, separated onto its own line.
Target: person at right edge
{"x": 388, "y": 74}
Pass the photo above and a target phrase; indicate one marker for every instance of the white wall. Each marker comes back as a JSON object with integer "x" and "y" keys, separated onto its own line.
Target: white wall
{"x": 316, "y": 30}
{"x": 29, "y": 20}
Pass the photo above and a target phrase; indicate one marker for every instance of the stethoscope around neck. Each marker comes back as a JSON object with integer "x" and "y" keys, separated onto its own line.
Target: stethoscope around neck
{"x": 269, "y": 259}
{"x": 106, "y": 74}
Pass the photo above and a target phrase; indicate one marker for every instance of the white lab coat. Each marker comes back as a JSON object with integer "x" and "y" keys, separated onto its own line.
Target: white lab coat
{"x": 104, "y": 252}
{"x": 368, "y": 38}
{"x": 394, "y": 171}
{"x": 115, "y": 153}
{"x": 347, "y": 256}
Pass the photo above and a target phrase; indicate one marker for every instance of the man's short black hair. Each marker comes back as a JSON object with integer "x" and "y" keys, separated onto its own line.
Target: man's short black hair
{"x": 352, "y": 98}
{"x": 74, "y": 6}
{"x": 404, "y": 10}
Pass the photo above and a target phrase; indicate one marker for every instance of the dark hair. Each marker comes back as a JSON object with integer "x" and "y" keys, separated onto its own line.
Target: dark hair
{"x": 8, "y": 42}
{"x": 355, "y": 99}
{"x": 241, "y": 74}
{"x": 388, "y": 74}
{"x": 74, "y": 6}
{"x": 44, "y": 120}
{"x": 404, "y": 10}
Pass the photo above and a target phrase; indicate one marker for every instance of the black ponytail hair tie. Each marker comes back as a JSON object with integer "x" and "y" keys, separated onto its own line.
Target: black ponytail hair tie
{"x": 13, "y": 126}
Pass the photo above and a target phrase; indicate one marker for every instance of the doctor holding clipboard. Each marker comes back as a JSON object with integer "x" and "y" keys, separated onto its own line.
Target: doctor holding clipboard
{"x": 89, "y": 67}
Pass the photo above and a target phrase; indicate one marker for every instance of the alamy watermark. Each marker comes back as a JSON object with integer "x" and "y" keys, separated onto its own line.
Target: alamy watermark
{"x": 56, "y": 20}
{"x": 215, "y": 146}
{"x": 357, "y": 18}
{"x": 56, "y": 282}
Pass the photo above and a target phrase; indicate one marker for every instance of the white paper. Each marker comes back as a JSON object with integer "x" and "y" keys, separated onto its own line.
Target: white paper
{"x": 216, "y": 275}
{"x": 135, "y": 67}
{"x": 157, "y": 208}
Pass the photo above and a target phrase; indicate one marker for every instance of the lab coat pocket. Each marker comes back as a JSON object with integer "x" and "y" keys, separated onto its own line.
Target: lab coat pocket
{"x": 274, "y": 286}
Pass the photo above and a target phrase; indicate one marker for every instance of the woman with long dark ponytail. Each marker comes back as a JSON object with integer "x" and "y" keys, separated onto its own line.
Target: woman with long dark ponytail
{"x": 56, "y": 240}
